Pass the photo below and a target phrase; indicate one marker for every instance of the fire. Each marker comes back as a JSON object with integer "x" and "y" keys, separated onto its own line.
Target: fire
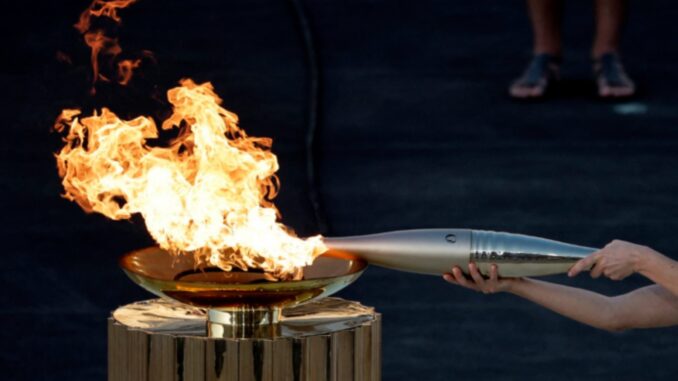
{"x": 125, "y": 70}
{"x": 102, "y": 45}
{"x": 208, "y": 192}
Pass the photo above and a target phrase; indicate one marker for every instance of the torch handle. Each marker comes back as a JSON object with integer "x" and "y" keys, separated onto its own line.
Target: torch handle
{"x": 436, "y": 251}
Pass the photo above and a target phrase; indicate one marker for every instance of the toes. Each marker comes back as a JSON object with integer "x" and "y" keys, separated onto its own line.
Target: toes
{"x": 526, "y": 91}
{"x": 518, "y": 92}
{"x": 607, "y": 91}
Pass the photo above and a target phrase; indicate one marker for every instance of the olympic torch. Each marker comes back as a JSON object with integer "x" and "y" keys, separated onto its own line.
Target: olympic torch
{"x": 436, "y": 251}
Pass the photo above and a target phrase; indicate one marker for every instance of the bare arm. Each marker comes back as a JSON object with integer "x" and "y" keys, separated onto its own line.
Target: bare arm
{"x": 647, "y": 307}
{"x": 661, "y": 270}
{"x": 620, "y": 259}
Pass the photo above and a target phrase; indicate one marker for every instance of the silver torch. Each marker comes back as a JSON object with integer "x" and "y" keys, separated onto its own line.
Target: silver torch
{"x": 436, "y": 251}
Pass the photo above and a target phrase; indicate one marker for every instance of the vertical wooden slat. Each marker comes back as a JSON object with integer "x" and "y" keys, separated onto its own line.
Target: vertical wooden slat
{"x": 221, "y": 363}
{"x": 376, "y": 348}
{"x": 256, "y": 360}
{"x": 245, "y": 361}
{"x": 342, "y": 356}
{"x": 194, "y": 359}
{"x": 268, "y": 361}
{"x": 283, "y": 363}
{"x": 362, "y": 354}
{"x": 116, "y": 337}
{"x": 162, "y": 358}
{"x": 136, "y": 356}
{"x": 315, "y": 366}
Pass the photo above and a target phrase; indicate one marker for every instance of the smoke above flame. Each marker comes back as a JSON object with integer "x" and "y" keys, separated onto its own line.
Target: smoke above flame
{"x": 208, "y": 192}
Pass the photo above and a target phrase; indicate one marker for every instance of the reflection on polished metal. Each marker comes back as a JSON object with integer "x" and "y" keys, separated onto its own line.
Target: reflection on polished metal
{"x": 240, "y": 304}
{"x": 244, "y": 322}
{"x": 317, "y": 317}
{"x": 436, "y": 251}
{"x": 325, "y": 339}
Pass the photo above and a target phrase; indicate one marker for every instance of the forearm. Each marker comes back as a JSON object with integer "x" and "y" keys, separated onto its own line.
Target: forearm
{"x": 660, "y": 269}
{"x": 581, "y": 305}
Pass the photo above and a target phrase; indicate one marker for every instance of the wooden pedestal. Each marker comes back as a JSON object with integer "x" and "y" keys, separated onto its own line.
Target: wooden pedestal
{"x": 331, "y": 339}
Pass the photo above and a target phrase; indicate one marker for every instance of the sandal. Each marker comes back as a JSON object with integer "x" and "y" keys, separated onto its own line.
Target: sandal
{"x": 611, "y": 78}
{"x": 540, "y": 75}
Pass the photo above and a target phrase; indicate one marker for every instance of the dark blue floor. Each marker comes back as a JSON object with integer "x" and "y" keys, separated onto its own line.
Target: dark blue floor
{"x": 415, "y": 131}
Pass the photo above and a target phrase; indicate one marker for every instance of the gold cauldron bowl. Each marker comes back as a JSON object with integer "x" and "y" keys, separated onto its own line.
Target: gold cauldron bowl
{"x": 238, "y": 303}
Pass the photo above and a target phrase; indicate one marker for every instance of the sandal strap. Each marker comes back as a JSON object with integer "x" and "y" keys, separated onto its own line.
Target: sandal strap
{"x": 609, "y": 68}
{"x": 542, "y": 65}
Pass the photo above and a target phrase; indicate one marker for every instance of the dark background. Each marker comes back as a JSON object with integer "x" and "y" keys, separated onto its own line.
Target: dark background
{"x": 414, "y": 130}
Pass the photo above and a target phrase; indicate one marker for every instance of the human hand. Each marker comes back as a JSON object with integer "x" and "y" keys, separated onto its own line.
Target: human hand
{"x": 617, "y": 260}
{"x": 490, "y": 285}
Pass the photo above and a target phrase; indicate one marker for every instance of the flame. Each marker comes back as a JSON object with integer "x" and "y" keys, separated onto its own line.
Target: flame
{"x": 101, "y": 44}
{"x": 101, "y": 8}
{"x": 63, "y": 57}
{"x": 208, "y": 192}
{"x": 125, "y": 70}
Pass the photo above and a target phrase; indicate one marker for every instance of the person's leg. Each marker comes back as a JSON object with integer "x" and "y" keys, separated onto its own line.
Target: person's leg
{"x": 545, "y": 17}
{"x": 611, "y": 78}
{"x": 610, "y": 16}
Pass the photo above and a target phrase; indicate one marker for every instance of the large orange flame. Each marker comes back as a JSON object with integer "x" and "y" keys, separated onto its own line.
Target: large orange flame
{"x": 208, "y": 193}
